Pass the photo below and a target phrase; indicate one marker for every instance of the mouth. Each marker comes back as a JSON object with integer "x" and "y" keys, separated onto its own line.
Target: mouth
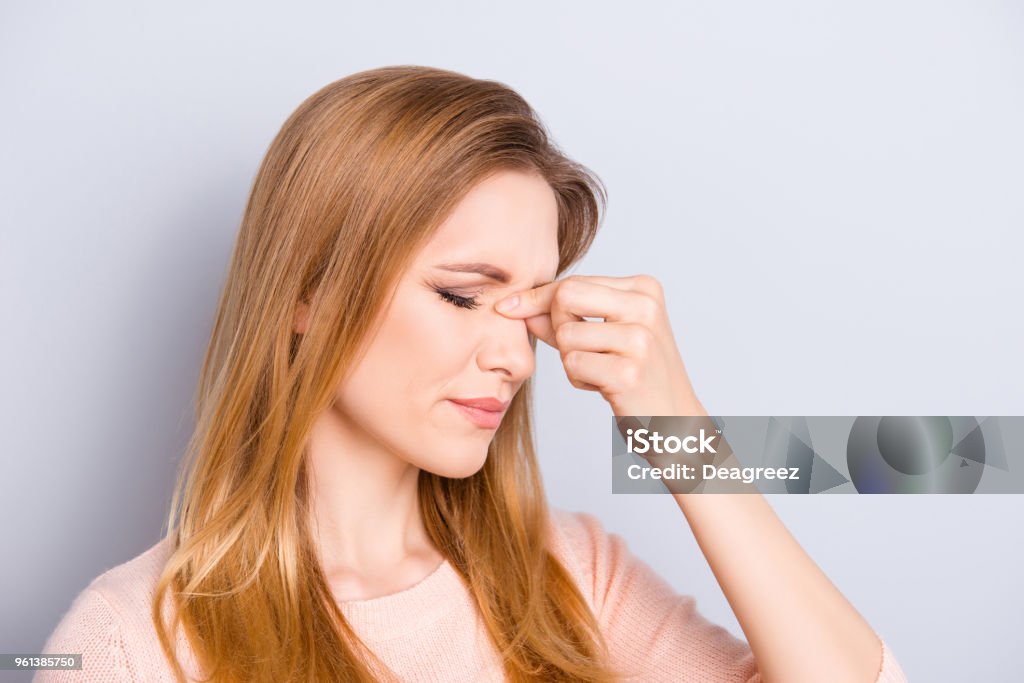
{"x": 485, "y": 413}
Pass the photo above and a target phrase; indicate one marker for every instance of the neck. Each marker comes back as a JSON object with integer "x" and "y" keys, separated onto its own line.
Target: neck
{"x": 365, "y": 514}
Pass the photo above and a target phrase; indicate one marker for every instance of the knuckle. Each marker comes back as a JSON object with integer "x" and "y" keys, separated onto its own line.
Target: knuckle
{"x": 567, "y": 290}
{"x": 650, "y": 285}
{"x": 648, "y": 310}
{"x": 639, "y": 340}
{"x": 629, "y": 374}
{"x": 563, "y": 335}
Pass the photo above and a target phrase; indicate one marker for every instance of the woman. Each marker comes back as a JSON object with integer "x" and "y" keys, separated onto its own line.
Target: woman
{"x": 361, "y": 499}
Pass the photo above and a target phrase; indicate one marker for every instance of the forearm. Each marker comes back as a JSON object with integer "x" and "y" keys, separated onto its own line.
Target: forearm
{"x": 799, "y": 626}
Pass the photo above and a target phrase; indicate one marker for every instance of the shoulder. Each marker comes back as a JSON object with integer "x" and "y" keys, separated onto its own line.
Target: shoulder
{"x": 581, "y": 534}
{"x": 124, "y": 592}
{"x": 130, "y": 586}
{"x": 109, "y": 620}
{"x": 606, "y": 570}
{"x": 651, "y": 629}
{"x": 584, "y": 536}
{"x": 594, "y": 556}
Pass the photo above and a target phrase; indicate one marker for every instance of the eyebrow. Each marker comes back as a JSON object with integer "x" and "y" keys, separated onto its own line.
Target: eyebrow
{"x": 486, "y": 269}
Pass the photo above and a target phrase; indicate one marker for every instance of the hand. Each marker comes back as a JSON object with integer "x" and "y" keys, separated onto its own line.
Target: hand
{"x": 630, "y": 356}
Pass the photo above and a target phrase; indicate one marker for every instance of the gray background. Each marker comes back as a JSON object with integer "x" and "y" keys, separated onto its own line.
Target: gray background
{"x": 830, "y": 193}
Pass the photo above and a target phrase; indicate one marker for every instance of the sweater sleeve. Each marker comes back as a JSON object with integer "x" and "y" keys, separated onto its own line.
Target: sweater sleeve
{"x": 92, "y": 628}
{"x": 654, "y": 633}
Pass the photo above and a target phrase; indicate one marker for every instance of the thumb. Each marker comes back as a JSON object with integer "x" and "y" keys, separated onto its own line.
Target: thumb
{"x": 528, "y": 302}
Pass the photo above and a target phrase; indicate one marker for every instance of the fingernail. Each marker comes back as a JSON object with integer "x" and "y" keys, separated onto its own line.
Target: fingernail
{"x": 509, "y": 303}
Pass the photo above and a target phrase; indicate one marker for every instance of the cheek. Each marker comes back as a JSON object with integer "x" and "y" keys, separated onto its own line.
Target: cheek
{"x": 415, "y": 358}
{"x": 429, "y": 340}
{"x": 397, "y": 395}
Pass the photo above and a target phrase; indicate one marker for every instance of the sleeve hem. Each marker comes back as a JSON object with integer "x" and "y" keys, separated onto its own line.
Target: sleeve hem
{"x": 889, "y": 671}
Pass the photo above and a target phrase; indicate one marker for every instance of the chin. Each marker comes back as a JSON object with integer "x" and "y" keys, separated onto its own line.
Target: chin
{"x": 454, "y": 465}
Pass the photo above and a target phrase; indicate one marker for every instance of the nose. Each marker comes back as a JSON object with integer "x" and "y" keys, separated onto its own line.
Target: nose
{"x": 506, "y": 348}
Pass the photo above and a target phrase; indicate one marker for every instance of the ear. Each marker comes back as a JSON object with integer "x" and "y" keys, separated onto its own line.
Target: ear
{"x": 300, "y": 321}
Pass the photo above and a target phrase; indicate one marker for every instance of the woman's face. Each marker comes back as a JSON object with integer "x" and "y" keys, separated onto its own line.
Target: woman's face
{"x": 441, "y": 338}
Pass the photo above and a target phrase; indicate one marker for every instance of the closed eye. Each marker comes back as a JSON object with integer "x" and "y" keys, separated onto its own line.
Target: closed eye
{"x": 460, "y": 301}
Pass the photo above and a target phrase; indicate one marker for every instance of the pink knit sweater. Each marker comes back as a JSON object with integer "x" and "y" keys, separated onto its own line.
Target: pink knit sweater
{"x": 431, "y": 631}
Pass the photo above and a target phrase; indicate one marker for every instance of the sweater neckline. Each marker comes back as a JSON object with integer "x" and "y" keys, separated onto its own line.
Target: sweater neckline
{"x": 403, "y": 612}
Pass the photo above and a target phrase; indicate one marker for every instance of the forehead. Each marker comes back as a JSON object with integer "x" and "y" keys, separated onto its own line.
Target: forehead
{"x": 509, "y": 219}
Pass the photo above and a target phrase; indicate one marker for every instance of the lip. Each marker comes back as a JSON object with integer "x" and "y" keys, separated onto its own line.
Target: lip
{"x": 483, "y": 412}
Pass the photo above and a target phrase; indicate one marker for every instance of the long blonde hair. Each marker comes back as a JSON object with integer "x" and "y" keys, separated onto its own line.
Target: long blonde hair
{"x": 354, "y": 183}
